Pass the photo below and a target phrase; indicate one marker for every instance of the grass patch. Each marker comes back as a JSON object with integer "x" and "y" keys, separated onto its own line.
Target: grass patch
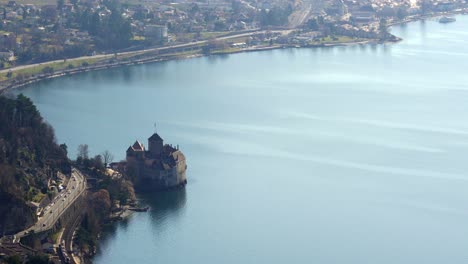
{"x": 57, "y": 66}
{"x": 336, "y": 39}
{"x": 138, "y": 38}
{"x": 38, "y": 197}
{"x": 54, "y": 236}
{"x": 227, "y": 50}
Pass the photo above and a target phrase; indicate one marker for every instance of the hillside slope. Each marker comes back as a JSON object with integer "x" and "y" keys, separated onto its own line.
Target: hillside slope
{"x": 29, "y": 158}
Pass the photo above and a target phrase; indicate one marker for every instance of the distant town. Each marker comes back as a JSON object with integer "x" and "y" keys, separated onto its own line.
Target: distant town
{"x": 99, "y": 31}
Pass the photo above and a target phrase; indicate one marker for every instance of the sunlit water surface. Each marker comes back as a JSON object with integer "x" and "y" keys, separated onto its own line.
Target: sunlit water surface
{"x": 331, "y": 155}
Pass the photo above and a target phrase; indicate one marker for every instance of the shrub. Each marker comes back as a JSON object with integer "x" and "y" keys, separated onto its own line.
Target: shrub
{"x": 48, "y": 70}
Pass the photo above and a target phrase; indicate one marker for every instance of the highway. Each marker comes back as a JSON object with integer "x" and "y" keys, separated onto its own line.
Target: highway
{"x": 52, "y": 212}
{"x": 137, "y": 52}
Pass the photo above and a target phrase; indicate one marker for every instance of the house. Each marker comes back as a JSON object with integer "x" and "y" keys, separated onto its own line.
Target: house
{"x": 363, "y": 17}
{"x": 156, "y": 32}
{"x": 445, "y": 6}
{"x": 7, "y": 55}
{"x": 11, "y": 15}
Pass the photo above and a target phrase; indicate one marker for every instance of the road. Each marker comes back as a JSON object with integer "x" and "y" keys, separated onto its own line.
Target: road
{"x": 304, "y": 11}
{"x": 52, "y": 212}
{"x": 300, "y": 15}
{"x": 157, "y": 49}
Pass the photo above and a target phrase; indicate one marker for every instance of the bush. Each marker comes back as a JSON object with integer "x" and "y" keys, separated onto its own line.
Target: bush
{"x": 85, "y": 64}
{"x": 48, "y": 70}
{"x": 20, "y": 77}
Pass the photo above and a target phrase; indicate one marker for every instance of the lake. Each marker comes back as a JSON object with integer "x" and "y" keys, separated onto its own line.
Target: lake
{"x": 352, "y": 154}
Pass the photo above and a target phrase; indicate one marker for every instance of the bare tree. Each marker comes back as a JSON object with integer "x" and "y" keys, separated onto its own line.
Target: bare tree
{"x": 108, "y": 157}
{"x": 83, "y": 151}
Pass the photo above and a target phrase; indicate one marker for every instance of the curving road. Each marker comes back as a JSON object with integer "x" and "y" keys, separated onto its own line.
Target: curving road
{"x": 137, "y": 52}
{"x": 75, "y": 187}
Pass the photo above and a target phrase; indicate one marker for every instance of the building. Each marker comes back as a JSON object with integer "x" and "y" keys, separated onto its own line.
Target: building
{"x": 156, "y": 32}
{"x": 158, "y": 167}
{"x": 7, "y": 56}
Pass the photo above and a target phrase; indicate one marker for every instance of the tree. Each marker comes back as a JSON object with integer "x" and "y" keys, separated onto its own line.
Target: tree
{"x": 64, "y": 147}
{"x": 402, "y": 13}
{"x": 101, "y": 203}
{"x": 47, "y": 70}
{"x": 13, "y": 260}
{"x": 83, "y": 151}
{"x": 383, "y": 28}
{"x": 313, "y": 24}
{"x": 425, "y": 6}
{"x": 38, "y": 259}
{"x": 60, "y": 4}
{"x": 25, "y": 12}
{"x": 95, "y": 23}
{"x": 108, "y": 157}
{"x": 49, "y": 13}
{"x": 97, "y": 162}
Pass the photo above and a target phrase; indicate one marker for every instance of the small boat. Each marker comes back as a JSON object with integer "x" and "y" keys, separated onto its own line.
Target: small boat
{"x": 446, "y": 19}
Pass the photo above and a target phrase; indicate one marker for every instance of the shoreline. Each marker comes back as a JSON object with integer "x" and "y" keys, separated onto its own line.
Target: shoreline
{"x": 114, "y": 62}
{"x": 7, "y": 86}
{"x": 429, "y": 16}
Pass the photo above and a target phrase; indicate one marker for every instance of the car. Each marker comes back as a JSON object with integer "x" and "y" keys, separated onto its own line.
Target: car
{"x": 43, "y": 225}
{"x": 73, "y": 187}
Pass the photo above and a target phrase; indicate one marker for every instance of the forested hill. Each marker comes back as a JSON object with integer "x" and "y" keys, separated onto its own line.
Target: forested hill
{"x": 29, "y": 157}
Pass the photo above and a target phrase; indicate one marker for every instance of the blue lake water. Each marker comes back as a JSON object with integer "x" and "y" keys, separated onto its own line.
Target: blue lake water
{"x": 332, "y": 155}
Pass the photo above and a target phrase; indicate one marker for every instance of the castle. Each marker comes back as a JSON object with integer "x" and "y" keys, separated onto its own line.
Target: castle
{"x": 159, "y": 167}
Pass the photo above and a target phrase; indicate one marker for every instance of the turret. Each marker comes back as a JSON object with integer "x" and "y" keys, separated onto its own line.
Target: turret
{"x": 155, "y": 145}
{"x": 136, "y": 151}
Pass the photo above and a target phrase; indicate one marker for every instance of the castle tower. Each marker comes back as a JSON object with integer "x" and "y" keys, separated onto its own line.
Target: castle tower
{"x": 137, "y": 151}
{"x": 155, "y": 145}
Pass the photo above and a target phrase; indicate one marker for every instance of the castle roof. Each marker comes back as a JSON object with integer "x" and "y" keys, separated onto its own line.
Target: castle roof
{"x": 137, "y": 146}
{"x": 155, "y": 137}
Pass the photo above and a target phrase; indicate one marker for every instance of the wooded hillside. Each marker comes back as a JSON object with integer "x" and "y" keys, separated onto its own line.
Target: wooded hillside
{"x": 29, "y": 158}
